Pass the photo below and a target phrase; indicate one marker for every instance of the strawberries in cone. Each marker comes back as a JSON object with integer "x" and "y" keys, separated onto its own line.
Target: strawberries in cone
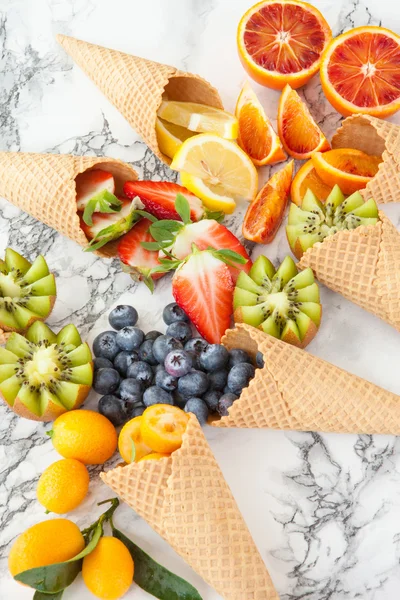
{"x": 134, "y": 255}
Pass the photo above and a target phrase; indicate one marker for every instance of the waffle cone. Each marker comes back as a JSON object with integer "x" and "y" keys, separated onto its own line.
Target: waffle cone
{"x": 43, "y": 185}
{"x": 378, "y": 138}
{"x": 136, "y": 86}
{"x": 295, "y": 390}
{"x": 186, "y": 499}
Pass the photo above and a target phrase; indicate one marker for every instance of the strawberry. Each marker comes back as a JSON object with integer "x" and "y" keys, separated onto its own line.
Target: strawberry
{"x": 106, "y": 227}
{"x": 132, "y": 253}
{"x": 159, "y": 197}
{"x": 202, "y": 285}
{"x": 91, "y": 183}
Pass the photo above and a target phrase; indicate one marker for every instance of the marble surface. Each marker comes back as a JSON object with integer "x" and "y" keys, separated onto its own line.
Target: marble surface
{"x": 324, "y": 510}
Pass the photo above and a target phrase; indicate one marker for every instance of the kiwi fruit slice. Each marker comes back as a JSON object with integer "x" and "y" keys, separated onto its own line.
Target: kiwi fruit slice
{"x": 314, "y": 220}
{"x": 282, "y": 302}
{"x": 27, "y": 291}
{"x": 43, "y": 374}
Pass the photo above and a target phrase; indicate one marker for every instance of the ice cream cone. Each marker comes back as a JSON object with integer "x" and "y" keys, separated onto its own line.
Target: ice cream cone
{"x": 378, "y": 138}
{"x": 186, "y": 499}
{"x": 136, "y": 86}
{"x": 295, "y": 390}
{"x": 43, "y": 185}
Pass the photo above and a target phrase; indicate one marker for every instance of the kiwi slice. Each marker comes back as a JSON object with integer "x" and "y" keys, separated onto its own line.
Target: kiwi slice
{"x": 314, "y": 220}
{"x": 27, "y": 291}
{"x": 43, "y": 374}
{"x": 283, "y": 302}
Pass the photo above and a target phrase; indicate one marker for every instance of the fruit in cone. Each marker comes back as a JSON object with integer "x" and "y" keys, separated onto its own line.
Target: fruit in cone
{"x": 27, "y": 291}
{"x": 298, "y": 132}
{"x": 283, "y": 302}
{"x": 43, "y": 375}
{"x": 314, "y": 220}
{"x": 130, "y": 442}
{"x": 162, "y": 427}
{"x": 256, "y": 135}
{"x": 307, "y": 178}
{"x": 91, "y": 183}
{"x": 139, "y": 260}
{"x": 170, "y": 137}
{"x": 359, "y": 72}
{"x": 281, "y": 42}
{"x": 199, "y": 118}
{"x": 219, "y": 550}
{"x": 144, "y": 82}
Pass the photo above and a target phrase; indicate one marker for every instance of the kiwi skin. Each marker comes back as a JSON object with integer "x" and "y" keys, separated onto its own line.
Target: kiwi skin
{"x": 53, "y": 410}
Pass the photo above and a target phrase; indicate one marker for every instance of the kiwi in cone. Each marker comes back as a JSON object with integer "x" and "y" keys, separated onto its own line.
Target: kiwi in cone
{"x": 27, "y": 291}
{"x": 43, "y": 375}
{"x": 284, "y": 302}
{"x": 313, "y": 221}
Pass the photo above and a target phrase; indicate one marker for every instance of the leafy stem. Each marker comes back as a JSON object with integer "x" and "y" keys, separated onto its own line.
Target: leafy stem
{"x": 104, "y": 518}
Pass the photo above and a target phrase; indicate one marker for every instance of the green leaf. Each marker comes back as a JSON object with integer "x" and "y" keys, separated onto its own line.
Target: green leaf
{"x": 146, "y": 215}
{"x": 215, "y": 215}
{"x": 161, "y": 235}
{"x": 152, "y": 245}
{"x": 133, "y": 451}
{"x": 104, "y": 202}
{"x": 168, "y": 224}
{"x": 42, "y": 596}
{"x": 149, "y": 282}
{"x": 230, "y": 255}
{"x": 182, "y": 207}
{"x": 154, "y": 578}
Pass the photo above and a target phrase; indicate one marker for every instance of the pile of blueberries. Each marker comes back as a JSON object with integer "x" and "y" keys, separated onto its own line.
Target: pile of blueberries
{"x": 134, "y": 370}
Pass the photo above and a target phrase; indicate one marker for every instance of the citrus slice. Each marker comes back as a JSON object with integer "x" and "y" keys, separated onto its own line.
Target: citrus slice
{"x": 299, "y": 133}
{"x": 282, "y": 42}
{"x": 130, "y": 443}
{"x": 256, "y": 136}
{"x": 305, "y": 179}
{"x": 212, "y": 196}
{"x": 162, "y": 427}
{"x": 199, "y": 118}
{"x": 224, "y": 169}
{"x": 350, "y": 169}
{"x": 170, "y": 137}
{"x": 360, "y": 72}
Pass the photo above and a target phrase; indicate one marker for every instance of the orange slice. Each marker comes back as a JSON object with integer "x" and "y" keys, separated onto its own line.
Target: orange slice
{"x": 281, "y": 42}
{"x": 130, "y": 443}
{"x": 350, "y": 169}
{"x": 305, "y": 179}
{"x": 162, "y": 427}
{"x": 360, "y": 72}
{"x": 256, "y": 136}
{"x": 299, "y": 133}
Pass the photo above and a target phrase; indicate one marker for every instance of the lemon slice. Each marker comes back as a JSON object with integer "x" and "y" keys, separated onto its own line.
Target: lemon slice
{"x": 170, "y": 137}
{"x": 212, "y": 196}
{"x": 200, "y": 118}
{"x": 224, "y": 170}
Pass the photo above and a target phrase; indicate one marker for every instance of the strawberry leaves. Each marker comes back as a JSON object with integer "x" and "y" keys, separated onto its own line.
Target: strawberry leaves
{"x": 104, "y": 202}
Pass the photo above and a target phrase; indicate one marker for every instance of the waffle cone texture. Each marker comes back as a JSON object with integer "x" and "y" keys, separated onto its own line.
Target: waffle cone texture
{"x": 43, "y": 185}
{"x": 380, "y": 138}
{"x": 136, "y": 86}
{"x": 295, "y": 390}
{"x": 186, "y": 500}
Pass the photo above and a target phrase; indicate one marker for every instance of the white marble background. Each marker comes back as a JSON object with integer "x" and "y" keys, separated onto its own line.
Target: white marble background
{"x": 324, "y": 509}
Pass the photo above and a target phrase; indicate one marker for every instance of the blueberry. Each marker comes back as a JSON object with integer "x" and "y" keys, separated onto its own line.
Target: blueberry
{"x": 197, "y": 345}
{"x": 195, "y": 359}
{"x": 259, "y": 360}
{"x": 105, "y": 345}
{"x": 217, "y": 379}
{"x": 227, "y": 390}
{"x": 113, "y": 408}
{"x": 130, "y": 338}
{"x": 166, "y": 381}
{"x": 163, "y": 345}
{"x": 211, "y": 399}
{"x": 238, "y": 356}
{"x": 123, "y": 316}
{"x": 193, "y": 384}
{"x": 152, "y": 335}
{"x": 156, "y": 395}
{"x": 131, "y": 390}
{"x": 226, "y": 402}
{"x": 146, "y": 352}
{"x": 199, "y": 408}
{"x": 123, "y": 361}
{"x": 157, "y": 368}
{"x": 180, "y": 331}
{"x": 178, "y": 363}
{"x": 106, "y": 381}
{"x": 173, "y": 313}
{"x": 179, "y": 400}
{"x": 142, "y": 372}
{"x": 214, "y": 357}
{"x": 239, "y": 377}
{"x": 137, "y": 412}
{"x": 102, "y": 363}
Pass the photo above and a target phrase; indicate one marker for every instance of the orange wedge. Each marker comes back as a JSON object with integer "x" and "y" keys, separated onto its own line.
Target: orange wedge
{"x": 305, "y": 179}
{"x": 256, "y": 136}
{"x": 360, "y": 72}
{"x": 299, "y": 133}
{"x": 350, "y": 169}
{"x": 281, "y": 41}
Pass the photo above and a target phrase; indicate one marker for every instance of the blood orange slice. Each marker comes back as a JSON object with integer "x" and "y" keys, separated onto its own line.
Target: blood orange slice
{"x": 305, "y": 179}
{"x": 360, "y": 72}
{"x": 281, "y": 41}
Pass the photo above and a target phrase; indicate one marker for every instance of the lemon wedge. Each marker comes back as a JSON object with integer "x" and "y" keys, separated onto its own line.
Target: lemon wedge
{"x": 170, "y": 137}
{"x": 200, "y": 118}
{"x": 211, "y": 196}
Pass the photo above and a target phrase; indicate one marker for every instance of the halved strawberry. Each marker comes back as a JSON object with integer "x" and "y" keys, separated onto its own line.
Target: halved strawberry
{"x": 159, "y": 198}
{"x": 107, "y": 227}
{"x": 91, "y": 183}
{"x": 132, "y": 253}
{"x": 203, "y": 287}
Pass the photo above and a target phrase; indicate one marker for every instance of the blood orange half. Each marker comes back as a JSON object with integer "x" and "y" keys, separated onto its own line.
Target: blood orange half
{"x": 281, "y": 41}
{"x": 360, "y": 72}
